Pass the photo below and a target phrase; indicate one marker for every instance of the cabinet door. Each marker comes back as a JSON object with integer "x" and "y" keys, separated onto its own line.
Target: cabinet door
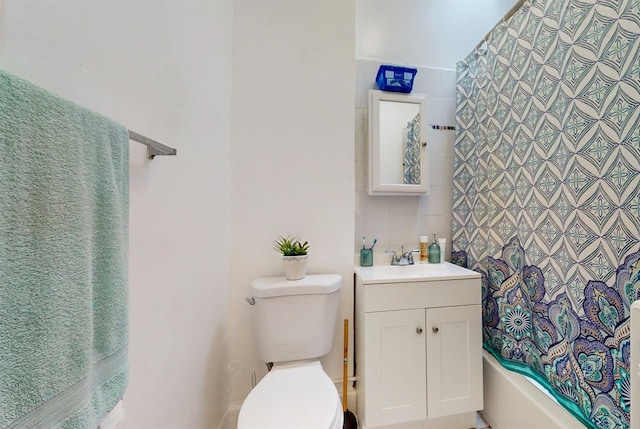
{"x": 395, "y": 367}
{"x": 454, "y": 360}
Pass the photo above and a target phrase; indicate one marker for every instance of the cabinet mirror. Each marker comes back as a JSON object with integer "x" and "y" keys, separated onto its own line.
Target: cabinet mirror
{"x": 397, "y": 149}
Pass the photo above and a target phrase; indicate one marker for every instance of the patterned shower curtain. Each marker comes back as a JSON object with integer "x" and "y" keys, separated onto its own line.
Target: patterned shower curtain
{"x": 547, "y": 196}
{"x": 411, "y": 162}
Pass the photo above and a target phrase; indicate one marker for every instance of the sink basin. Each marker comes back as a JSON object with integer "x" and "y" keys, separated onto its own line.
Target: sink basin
{"x": 416, "y": 272}
{"x": 419, "y": 270}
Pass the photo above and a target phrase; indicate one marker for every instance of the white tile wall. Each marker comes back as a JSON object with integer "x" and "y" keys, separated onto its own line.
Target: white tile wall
{"x": 400, "y": 220}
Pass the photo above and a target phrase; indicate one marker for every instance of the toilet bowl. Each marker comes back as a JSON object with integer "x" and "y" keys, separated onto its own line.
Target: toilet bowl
{"x": 298, "y": 395}
{"x": 294, "y": 323}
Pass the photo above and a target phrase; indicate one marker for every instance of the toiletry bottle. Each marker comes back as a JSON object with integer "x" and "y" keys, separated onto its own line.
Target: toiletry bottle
{"x": 442, "y": 242}
{"x": 434, "y": 252}
{"x": 424, "y": 242}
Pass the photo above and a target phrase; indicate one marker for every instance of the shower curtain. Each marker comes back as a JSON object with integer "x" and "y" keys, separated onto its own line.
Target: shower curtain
{"x": 411, "y": 162}
{"x": 546, "y": 198}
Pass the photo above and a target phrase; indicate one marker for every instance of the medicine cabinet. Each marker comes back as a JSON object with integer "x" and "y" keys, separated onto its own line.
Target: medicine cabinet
{"x": 397, "y": 149}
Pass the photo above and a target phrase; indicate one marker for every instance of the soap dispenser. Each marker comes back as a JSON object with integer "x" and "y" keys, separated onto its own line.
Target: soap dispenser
{"x": 434, "y": 251}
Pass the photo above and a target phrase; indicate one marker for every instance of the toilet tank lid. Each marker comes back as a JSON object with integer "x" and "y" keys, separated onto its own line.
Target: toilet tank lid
{"x": 312, "y": 284}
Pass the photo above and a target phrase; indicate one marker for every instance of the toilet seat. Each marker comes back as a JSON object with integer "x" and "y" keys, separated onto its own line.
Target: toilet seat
{"x": 293, "y": 396}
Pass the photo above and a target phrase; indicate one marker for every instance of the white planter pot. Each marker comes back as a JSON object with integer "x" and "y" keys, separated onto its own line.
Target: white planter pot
{"x": 295, "y": 267}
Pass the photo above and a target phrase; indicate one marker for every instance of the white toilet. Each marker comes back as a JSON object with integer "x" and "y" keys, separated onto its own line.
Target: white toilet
{"x": 294, "y": 324}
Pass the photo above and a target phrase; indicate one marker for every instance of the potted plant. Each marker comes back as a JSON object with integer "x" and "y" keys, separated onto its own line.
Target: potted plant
{"x": 294, "y": 254}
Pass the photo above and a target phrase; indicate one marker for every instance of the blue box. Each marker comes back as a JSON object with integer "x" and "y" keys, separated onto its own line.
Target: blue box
{"x": 395, "y": 78}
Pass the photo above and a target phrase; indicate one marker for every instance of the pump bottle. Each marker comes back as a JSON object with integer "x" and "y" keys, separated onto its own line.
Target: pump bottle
{"x": 434, "y": 251}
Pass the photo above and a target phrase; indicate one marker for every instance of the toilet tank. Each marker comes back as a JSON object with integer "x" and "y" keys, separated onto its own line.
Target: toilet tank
{"x": 295, "y": 320}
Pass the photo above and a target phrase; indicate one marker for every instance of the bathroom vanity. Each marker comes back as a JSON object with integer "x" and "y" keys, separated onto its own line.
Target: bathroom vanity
{"x": 418, "y": 346}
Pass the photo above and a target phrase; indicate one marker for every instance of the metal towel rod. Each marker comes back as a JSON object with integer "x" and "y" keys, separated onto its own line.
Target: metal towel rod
{"x": 153, "y": 147}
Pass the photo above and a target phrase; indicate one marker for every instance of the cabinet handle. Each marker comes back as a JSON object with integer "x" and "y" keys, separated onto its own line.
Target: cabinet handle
{"x": 419, "y": 330}
{"x": 435, "y": 329}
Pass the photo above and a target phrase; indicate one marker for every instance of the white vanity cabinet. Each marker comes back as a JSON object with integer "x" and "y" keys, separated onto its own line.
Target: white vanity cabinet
{"x": 418, "y": 347}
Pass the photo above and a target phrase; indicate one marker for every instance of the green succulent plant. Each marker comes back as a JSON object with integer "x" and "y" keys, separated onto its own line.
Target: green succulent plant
{"x": 290, "y": 246}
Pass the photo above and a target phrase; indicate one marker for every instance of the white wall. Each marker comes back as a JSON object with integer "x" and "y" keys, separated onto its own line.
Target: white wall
{"x": 292, "y": 172}
{"x": 163, "y": 69}
{"x": 400, "y": 220}
{"x": 431, "y": 35}
{"x": 426, "y": 33}
{"x": 252, "y": 94}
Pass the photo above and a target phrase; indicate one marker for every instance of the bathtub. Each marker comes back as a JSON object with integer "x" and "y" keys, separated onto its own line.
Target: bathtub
{"x": 511, "y": 401}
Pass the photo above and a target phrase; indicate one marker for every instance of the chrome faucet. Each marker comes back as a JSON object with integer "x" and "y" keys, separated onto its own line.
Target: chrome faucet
{"x": 394, "y": 257}
{"x": 406, "y": 258}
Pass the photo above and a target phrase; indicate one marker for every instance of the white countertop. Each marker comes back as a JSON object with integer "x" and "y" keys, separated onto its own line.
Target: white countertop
{"x": 413, "y": 273}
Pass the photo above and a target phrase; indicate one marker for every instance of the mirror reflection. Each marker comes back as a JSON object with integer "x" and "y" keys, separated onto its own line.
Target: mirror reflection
{"x": 399, "y": 143}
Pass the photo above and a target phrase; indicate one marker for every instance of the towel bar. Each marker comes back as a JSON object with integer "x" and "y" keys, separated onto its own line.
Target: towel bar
{"x": 153, "y": 147}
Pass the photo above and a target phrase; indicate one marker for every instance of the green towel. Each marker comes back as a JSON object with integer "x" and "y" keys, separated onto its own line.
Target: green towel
{"x": 64, "y": 188}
